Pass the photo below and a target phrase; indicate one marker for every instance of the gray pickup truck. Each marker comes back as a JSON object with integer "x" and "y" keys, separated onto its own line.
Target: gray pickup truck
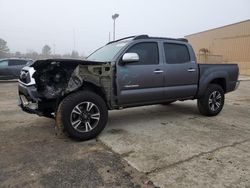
{"x": 133, "y": 71}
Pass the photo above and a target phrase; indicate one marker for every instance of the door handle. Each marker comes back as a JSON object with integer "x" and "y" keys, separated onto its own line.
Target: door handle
{"x": 191, "y": 70}
{"x": 158, "y": 71}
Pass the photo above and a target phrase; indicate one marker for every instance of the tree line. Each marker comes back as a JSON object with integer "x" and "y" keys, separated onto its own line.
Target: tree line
{"x": 46, "y": 52}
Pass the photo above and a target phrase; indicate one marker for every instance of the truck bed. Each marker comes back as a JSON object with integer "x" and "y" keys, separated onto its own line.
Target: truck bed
{"x": 229, "y": 72}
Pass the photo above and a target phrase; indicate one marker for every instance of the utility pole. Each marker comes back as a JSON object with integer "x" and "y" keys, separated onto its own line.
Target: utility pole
{"x": 54, "y": 49}
{"x": 74, "y": 40}
{"x": 114, "y": 18}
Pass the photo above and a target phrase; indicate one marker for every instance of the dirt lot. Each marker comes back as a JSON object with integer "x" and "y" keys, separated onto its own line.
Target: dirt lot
{"x": 32, "y": 156}
{"x": 173, "y": 146}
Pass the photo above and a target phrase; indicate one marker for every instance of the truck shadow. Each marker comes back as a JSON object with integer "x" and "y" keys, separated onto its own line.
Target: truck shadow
{"x": 153, "y": 113}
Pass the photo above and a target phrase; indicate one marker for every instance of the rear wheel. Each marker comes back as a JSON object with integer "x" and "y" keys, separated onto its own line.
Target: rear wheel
{"x": 212, "y": 102}
{"x": 83, "y": 115}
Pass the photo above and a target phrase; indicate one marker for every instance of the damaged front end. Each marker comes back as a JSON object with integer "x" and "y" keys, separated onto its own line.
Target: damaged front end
{"x": 56, "y": 78}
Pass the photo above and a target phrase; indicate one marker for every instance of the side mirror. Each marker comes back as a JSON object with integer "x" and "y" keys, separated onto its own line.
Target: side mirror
{"x": 130, "y": 58}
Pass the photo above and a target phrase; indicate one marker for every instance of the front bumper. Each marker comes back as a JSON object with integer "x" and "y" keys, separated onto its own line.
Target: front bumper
{"x": 30, "y": 102}
{"x": 28, "y": 98}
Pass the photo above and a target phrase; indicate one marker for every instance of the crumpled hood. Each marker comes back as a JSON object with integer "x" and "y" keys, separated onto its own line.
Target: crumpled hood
{"x": 43, "y": 63}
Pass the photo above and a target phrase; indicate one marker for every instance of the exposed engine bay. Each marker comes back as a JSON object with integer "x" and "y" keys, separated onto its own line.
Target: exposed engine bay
{"x": 56, "y": 78}
{"x": 52, "y": 80}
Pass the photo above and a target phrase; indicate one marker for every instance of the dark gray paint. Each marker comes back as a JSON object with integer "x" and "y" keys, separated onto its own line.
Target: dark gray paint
{"x": 179, "y": 82}
{"x": 146, "y": 83}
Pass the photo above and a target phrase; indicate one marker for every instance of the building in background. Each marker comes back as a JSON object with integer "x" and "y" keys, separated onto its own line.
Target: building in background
{"x": 227, "y": 44}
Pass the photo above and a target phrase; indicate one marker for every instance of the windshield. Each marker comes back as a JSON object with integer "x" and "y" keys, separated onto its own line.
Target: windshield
{"x": 107, "y": 53}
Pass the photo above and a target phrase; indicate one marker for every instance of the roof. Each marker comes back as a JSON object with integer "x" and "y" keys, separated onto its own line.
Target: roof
{"x": 219, "y": 27}
{"x": 137, "y": 37}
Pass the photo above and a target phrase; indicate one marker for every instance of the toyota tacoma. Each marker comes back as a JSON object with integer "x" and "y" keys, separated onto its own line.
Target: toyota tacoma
{"x": 132, "y": 71}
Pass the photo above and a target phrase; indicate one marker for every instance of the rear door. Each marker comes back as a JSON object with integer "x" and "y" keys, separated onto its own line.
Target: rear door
{"x": 143, "y": 81}
{"x": 181, "y": 71}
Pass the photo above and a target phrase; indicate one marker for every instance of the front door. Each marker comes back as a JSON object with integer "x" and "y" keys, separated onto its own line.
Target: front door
{"x": 143, "y": 81}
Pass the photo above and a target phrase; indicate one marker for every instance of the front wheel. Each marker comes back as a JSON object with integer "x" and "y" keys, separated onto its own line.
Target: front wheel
{"x": 212, "y": 102}
{"x": 83, "y": 115}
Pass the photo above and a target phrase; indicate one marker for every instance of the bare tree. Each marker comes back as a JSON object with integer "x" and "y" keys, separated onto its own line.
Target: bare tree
{"x": 3, "y": 48}
{"x": 46, "y": 51}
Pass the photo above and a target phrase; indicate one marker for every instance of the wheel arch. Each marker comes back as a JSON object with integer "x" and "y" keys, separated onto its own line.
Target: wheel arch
{"x": 94, "y": 88}
{"x": 88, "y": 86}
{"x": 220, "y": 78}
{"x": 221, "y": 82}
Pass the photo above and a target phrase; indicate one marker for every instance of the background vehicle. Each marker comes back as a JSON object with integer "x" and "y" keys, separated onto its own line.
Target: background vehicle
{"x": 132, "y": 71}
{"x": 11, "y": 68}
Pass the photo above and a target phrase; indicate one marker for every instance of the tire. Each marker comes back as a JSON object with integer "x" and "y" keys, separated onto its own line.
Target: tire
{"x": 83, "y": 115}
{"x": 169, "y": 102}
{"x": 212, "y": 102}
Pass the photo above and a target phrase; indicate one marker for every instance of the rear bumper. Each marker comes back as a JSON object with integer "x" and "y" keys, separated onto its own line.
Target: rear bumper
{"x": 233, "y": 86}
{"x": 237, "y": 85}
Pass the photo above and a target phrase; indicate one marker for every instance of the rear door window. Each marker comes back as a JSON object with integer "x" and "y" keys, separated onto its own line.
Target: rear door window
{"x": 17, "y": 62}
{"x": 176, "y": 53}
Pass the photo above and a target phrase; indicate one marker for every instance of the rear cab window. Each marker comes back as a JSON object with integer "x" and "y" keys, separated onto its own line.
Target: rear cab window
{"x": 176, "y": 53}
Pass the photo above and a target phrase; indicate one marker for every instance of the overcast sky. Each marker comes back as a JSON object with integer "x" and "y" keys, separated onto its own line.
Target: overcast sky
{"x": 29, "y": 24}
